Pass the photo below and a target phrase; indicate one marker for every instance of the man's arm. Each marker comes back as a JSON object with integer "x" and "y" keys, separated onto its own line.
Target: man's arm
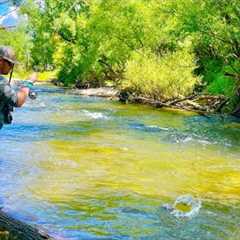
{"x": 22, "y": 95}
{"x": 17, "y": 99}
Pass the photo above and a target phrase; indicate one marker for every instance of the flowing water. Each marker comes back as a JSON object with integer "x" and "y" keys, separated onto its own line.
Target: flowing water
{"x": 90, "y": 168}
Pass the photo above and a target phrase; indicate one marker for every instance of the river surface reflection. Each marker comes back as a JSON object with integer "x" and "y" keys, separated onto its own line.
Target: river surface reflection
{"x": 89, "y": 168}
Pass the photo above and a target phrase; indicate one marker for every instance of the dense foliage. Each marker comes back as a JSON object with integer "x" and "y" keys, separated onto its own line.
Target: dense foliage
{"x": 162, "y": 49}
{"x": 168, "y": 77}
{"x": 20, "y": 41}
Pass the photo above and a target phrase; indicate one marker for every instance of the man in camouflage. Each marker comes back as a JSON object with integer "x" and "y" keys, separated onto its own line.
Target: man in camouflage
{"x": 9, "y": 98}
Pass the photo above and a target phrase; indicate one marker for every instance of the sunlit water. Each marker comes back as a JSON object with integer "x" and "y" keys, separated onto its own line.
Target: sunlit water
{"x": 90, "y": 168}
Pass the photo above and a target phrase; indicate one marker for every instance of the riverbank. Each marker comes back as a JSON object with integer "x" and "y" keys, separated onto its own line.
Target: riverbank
{"x": 11, "y": 229}
{"x": 199, "y": 103}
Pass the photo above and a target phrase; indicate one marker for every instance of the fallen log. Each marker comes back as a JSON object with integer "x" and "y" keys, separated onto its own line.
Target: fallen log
{"x": 221, "y": 105}
{"x": 159, "y": 104}
{"x": 201, "y": 104}
{"x": 11, "y": 228}
{"x": 182, "y": 99}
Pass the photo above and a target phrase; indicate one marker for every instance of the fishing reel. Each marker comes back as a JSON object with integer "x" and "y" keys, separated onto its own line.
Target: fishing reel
{"x": 32, "y": 95}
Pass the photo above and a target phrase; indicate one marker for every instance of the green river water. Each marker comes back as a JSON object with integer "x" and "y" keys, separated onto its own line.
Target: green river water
{"x": 90, "y": 168}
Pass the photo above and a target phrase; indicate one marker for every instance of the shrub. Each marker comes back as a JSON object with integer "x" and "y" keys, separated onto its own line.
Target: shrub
{"x": 221, "y": 84}
{"x": 165, "y": 78}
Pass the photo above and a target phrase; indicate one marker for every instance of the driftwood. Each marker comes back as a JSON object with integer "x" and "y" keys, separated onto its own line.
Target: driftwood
{"x": 201, "y": 104}
{"x": 11, "y": 229}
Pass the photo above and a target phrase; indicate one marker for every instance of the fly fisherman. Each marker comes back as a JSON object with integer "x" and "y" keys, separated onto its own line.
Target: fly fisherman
{"x": 10, "y": 98}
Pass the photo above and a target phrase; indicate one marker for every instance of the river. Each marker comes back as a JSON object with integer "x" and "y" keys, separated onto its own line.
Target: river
{"x": 90, "y": 168}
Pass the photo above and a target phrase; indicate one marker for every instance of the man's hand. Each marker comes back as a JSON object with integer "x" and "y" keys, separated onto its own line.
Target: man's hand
{"x": 22, "y": 95}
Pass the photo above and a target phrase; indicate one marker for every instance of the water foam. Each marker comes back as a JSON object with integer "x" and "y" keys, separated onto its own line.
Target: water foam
{"x": 95, "y": 115}
{"x": 192, "y": 204}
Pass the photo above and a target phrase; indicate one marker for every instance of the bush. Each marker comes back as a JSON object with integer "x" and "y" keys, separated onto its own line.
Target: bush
{"x": 222, "y": 85}
{"x": 165, "y": 78}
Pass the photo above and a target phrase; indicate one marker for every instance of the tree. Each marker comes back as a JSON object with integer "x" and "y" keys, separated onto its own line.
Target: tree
{"x": 20, "y": 41}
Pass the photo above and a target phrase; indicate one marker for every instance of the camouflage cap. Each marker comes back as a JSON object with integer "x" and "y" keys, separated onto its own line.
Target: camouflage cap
{"x": 8, "y": 54}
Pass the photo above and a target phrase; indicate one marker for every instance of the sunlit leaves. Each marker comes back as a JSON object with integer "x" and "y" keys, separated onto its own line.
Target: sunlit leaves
{"x": 168, "y": 77}
{"x": 21, "y": 43}
{"x": 94, "y": 41}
